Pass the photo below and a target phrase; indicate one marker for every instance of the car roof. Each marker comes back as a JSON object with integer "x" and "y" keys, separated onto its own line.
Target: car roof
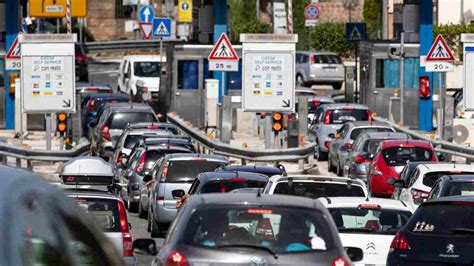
{"x": 399, "y": 143}
{"x": 321, "y": 98}
{"x": 265, "y": 169}
{"x": 190, "y": 156}
{"x": 12, "y": 176}
{"x": 106, "y": 96}
{"x": 339, "y": 106}
{"x": 367, "y": 124}
{"x": 225, "y": 175}
{"x": 89, "y": 85}
{"x": 354, "y": 202}
{"x": 449, "y": 199}
{"x": 316, "y": 178}
{"x": 385, "y": 135}
{"x": 162, "y": 147}
{"x": 151, "y": 132}
{"x": 145, "y": 57}
{"x": 245, "y": 199}
{"x": 459, "y": 178}
{"x": 423, "y": 167}
{"x": 89, "y": 192}
{"x": 139, "y": 107}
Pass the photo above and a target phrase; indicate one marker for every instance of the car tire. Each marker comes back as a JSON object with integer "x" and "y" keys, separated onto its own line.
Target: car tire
{"x": 337, "y": 86}
{"x": 322, "y": 156}
{"x": 300, "y": 80}
{"x": 141, "y": 212}
{"x": 154, "y": 230}
{"x": 339, "y": 170}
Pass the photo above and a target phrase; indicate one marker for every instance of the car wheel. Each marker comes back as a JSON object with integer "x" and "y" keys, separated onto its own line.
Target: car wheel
{"x": 339, "y": 170}
{"x": 299, "y": 80}
{"x": 141, "y": 212}
{"x": 337, "y": 86}
{"x": 155, "y": 230}
{"x": 322, "y": 156}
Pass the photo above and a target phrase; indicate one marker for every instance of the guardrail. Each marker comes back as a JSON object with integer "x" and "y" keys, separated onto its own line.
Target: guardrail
{"x": 441, "y": 146}
{"x": 208, "y": 145}
{"x": 124, "y": 45}
{"x": 29, "y": 155}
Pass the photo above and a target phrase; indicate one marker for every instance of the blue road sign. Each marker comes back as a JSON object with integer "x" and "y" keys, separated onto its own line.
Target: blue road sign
{"x": 355, "y": 32}
{"x": 161, "y": 27}
{"x": 147, "y": 13}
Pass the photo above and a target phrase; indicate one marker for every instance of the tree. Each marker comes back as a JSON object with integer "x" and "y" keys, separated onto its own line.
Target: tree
{"x": 372, "y": 13}
{"x": 243, "y": 20}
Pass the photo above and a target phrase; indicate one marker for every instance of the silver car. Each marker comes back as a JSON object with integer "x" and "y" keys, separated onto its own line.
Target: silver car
{"x": 363, "y": 151}
{"x": 340, "y": 147}
{"x": 330, "y": 118}
{"x": 111, "y": 123}
{"x": 172, "y": 177}
{"x": 323, "y": 68}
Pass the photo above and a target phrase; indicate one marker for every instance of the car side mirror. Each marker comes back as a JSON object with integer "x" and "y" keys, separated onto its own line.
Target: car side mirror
{"x": 145, "y": 246}
{"x": 332, "y": 136}
{"x": 178, "y": 193}
{"x": 355, "y": 254}
{"x": 147, "y": 178}
{"x": 396, "y": 182}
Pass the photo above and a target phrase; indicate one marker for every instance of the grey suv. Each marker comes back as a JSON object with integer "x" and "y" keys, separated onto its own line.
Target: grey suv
{"x": 173, "y": 176}
{"x": 323, "y": 68}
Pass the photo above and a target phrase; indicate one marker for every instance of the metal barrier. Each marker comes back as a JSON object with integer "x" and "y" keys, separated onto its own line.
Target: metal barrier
{"x": 125, "y": 45}
{"x": 208, "y": 145}
{"x": 29, "y": 155}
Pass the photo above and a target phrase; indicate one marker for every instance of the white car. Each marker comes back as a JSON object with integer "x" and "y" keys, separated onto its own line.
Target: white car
{"x": 368, "y": 223}
{"x": 139, "y": 76}
{"x": 415, "y": 188}
{"x": 313, "y": 186}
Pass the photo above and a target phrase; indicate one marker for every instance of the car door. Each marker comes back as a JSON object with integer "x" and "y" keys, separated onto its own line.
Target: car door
{"x": 339, "y": 138}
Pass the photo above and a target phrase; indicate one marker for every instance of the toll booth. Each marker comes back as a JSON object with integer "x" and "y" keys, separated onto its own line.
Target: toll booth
{"x": 379, "y": 81}
{"x": 187, "y": 72}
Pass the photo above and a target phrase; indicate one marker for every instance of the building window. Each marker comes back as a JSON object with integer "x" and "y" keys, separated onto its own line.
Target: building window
{"x": 188, "y": 74}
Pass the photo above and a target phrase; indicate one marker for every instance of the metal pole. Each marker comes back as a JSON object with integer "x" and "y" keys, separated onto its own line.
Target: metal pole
{"x": 290, "y": 16}
{"x": 161, "y": 57}
{"x": 257, "y": 8}
{"x": 356, "y": 95}
{"x": 442, "y": 95}
{"x": 81, "y": 24}
{"x": 402, "y": 77}
{"x": 268, "y": 131}
{"x": 68, "y": 17}
{"x": 57, "y": 26}
{"x": 48, "y": 131}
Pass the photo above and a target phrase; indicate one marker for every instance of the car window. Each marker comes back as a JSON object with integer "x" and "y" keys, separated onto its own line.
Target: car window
{"x": 152, "y": 156}
{"x": 398, "y": 156}
{"x": 316, "y": 190}
{"x": 133, "y": 157}
{"x": 371, "y": 145}
{"x": 224, "y": 186}
{"x": 357, "y": 131}
{"x": 369, "y": 220}
{"x": 187, "y": 170}
{"x": 458, "y": 189}
{"x": 282, "y": 230}
{"x": 147, "y": 69}
{"x": 412, "y": 177}
{"x": 104, "y": 212}
{"x": 100, "y": 102}
{"x": 347, "y": 115}
{"x": 435, "y": 190}
{"x": 430, "y": 178}
{"x": 120, "y": 120}
{"x": 343, "y": 131}
{"x": 436, "y": 219}
{"x": 131, "y": 140}
{"x": 194, "y": 186}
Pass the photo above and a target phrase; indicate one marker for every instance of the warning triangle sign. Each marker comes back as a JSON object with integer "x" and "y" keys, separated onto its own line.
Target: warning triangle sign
{"x": 440, "y": 51}
{"x": 161, "y": 29}
{"x": 14, "y": 52}
{"x": 223, "y": 50}
{"x": 355, "y": 35}
{"x": 146, "y": 29}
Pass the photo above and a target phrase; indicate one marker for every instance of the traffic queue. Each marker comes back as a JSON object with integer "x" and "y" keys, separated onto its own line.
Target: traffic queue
{"x": 391, "y": 201}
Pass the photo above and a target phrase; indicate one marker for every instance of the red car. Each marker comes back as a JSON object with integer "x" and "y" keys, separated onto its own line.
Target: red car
{"x": 390, "y": 159}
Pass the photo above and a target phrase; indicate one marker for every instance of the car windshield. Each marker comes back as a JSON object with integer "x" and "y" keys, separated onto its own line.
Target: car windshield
{"x": 437, "y": 219}
{"x": 356, "y": 131}
{"x": 399, "y": 156}
{"x": 369, "y": 220}
{"x": 348, "y": 115}
{"x": 187, "y": 170}
{"x": 274, "y": 229}
{"x": 429, "y": 179}
{"x": 103, "y": 211}
{"x": 458, "y": 189}
{"x": 224, "y": 186}
{"x": 326, "y": 59}
{"x": 146, "y": 69}
{"x": 318, "y": 189}
{"x": 99, "y": 103}
{"x": 120, "y": 120}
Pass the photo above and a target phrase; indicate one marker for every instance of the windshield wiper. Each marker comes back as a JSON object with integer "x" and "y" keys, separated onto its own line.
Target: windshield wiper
{"x": 269, "y": 250}
{"x": 361, "y": 229}
{"x": 463, "y": 230}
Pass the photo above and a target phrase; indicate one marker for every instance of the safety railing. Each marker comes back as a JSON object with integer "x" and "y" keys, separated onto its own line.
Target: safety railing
{"x": 124, "y": 45}
{"x": 205, "y": 144}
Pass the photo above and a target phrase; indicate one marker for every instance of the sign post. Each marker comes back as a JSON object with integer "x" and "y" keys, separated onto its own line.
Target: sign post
{"x": 355, "y": 33}
{"x": 161, "y": 28}
{"x": 468, "y": 82}
{"x": 439, "y": 59}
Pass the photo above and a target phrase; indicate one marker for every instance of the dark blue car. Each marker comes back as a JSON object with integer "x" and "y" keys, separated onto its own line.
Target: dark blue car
{"x": 258, "y": 169}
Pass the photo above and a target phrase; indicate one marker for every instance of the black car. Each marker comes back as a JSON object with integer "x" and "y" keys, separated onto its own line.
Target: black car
{"x": 452, "y": 185}
{"x": 258, "y": 169}
{"x": 440, "y": 232}
{"x": 239, "y": 229}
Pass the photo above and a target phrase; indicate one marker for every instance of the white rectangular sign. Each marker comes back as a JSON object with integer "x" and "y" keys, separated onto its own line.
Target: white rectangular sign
{"x": 279, "y": 18}
{"x": 12, "y": 64}
{"x": 438, "y": 66}
{"x": 48, "y": 77}
{"x": 468, "y": 88}
{"x": 223, "y": 65}
{"x": 269, "y": 78}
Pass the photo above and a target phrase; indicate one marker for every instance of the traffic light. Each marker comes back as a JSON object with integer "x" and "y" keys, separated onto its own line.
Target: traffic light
{"x": 277, "y": 122}
{"x": 61, "y": 125}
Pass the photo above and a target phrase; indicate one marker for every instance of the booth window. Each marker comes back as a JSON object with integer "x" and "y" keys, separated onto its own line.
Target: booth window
{"x": 206, "y": 73}
{"x": 387, "y": 73}
{"x": 188, "y": 74}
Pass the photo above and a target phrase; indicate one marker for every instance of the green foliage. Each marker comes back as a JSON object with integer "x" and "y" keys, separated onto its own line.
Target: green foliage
{"x": 452, "y": 35}
{"x": 243, "y": 19}
{"x": 372, "y": 13}
{"x": 88, "y": 36}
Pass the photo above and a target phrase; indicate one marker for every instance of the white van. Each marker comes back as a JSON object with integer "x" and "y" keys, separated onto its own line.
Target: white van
{"x": 139, "y": 76}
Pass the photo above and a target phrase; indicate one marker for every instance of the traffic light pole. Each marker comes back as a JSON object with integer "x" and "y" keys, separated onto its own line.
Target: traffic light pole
{"x": 268, "y": 131}
{"x": 48, "y": 131}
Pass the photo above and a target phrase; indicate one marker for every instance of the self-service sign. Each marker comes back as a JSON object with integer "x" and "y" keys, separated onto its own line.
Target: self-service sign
{"x": 47, "y": 73}
{"x": 268, "y": 72}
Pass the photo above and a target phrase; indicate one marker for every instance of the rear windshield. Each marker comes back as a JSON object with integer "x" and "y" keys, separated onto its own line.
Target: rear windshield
{"x": 371, "y": 145}
{"x": 373, "y": 221}
{"x": 103, "y": 211}
{"x": 318, "y": 189}
{"x": 341, "y": 116}
{"x": 398, "y": 156}
{"x": 458, "y": 189}
{"x": 436, "y": 219}
{"x": 430, "y": 178}
{"x": 313, "y": 105}
{"x": 99, "y": 103}
{"x": 154, "y": 155}
{"x": 276, "y": 229}
{"x": 356, "y": 131}
{"x": 224, "y": 186}
{"x": 120, "y": 120}
{"x": 326, "y": 59}
{"x": 186, "y": 171}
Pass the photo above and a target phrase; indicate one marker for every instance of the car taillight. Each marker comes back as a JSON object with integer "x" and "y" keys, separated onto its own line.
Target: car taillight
{"x": 327, "y": 144}
{"x": 126, "y": 237}
{"x": 399, "y": 243}
{"x": 159, "y": 198}
{"x": 340, "y": 262}
{"x": 106, "y": 133}
{"x": 176, "y": 258}
{"x": 369, "y": 114}
{"x": 119, "y": 159}
{"x": 376, "y": 171}
{"x": 141, "y": 164}
{"x": 419, "y": 194}
{"x": 91, "y": 106}
{"x": 327, "y": 118}
{"x": 359, "y": 159}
